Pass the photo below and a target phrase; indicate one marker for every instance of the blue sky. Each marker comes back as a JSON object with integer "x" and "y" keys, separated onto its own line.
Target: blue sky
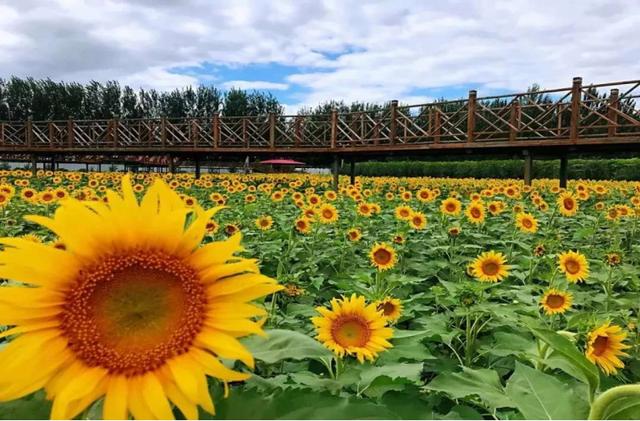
{"x": 309, "y": 51}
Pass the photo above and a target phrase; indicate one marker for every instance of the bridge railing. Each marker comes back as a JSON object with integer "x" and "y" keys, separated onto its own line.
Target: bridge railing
{"x": 580, "y": 112}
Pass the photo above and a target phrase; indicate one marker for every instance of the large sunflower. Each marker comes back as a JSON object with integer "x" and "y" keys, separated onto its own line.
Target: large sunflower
{"x": 490, "y": 266}
{"x": 450, "y": 206}
{"x": 574, "y": 265}
{"x": 555, "y": 301}
{"x": 352, "y": 327}
{"x": 526, "y": 222}
{"x": 133, "y": 309}
{"x": 383, "y": 256}
{"x": 605, "y": 345}
{"x": 475, "y": 212}
{"x": 567, "y": 204}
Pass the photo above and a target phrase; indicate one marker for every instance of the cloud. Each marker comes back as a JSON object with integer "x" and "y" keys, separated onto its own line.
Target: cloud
{"x": 339, "y": 49}
{"x": 255, "y": 84}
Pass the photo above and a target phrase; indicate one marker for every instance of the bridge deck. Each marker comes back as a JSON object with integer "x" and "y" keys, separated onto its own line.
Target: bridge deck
{"x": 578, "y": 117}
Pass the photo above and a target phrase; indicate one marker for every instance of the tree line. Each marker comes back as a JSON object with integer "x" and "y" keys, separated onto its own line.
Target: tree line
{"x": 46, "y": 99}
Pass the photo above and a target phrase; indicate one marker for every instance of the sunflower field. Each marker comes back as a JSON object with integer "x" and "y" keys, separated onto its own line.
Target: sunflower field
{"x": 262, "y": 296}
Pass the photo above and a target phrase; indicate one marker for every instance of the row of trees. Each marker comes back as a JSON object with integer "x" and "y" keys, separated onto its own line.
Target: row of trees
{"x": 50, "y": 100}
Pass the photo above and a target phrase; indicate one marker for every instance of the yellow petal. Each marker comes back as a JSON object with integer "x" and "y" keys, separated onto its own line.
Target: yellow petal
{"x": 115, "y": 401}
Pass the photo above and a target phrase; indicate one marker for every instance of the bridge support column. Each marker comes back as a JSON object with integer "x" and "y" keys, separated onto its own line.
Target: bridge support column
{"x": 335, "y": 171}
{"x": 197, "y": 165}
{"x": 34, "y": 164}
{"x": 172, "y": 165}
{"x": 528, "y": 168}
{"x": 352, "y": 171}
{"x": 564, "y": 167}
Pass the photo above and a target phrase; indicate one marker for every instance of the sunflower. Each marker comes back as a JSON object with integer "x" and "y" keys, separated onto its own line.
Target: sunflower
{"x": 605, "y": 346}
{"x": 29, "y": 195}
{"x": 231, "y": 229}
{"x": 418, "y": 220}
{"x": 555, "y": 301}
{"x": 302, "y": 225}
{"x": 354, "y": 234}
{"x": 567, "y": 204}
{"x": 475, "y": 212}
{"x": 383, "y": 256}
{"x": 351, "y": 327}
{"x": 264, "y": 222}
{"x": 451, "y": 206}
{"x": 134, "y": 310}
{"x": 574, "y": 265}
{"x": 454, "y": 231}
{"x": 328, "y": 214}
{"x": 364, "y": 209}
{"x": 526, "y": 222}
{"x": 490, "y": 266}
{"x": 403, "y": 213}
{"x": 391, "y": 308}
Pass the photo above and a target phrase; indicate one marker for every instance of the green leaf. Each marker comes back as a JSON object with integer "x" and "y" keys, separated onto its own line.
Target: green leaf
{"x": 564, "y": 347}
{"x": 33, "y": 407}
{"x": 541, "y": 396}
{"x": 627, "y": 408}
{"x": 285, "y": 344}
{"x": 482, "y": 382}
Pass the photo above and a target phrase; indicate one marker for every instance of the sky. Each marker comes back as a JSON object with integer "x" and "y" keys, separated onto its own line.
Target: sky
{"x": 307, "y": 52}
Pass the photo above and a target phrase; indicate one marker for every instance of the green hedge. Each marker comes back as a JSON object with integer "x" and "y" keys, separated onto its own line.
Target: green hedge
{"x": 594, "y": 169}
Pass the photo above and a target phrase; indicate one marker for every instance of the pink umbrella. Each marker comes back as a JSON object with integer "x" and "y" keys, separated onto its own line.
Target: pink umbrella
{"x": 281, "y": 162}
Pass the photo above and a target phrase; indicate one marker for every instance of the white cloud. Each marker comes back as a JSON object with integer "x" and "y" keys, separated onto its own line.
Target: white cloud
{"x": 255, "y": 84}
{"x": 389, "y": 49}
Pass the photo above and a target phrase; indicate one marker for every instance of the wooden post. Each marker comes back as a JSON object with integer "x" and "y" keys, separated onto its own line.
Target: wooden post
{"x": 614, "y": 104}
{"x": 576, "y": 93}
{"x": 34, "y": 164}
{"x": 393, "y": 126}
{"x": 334, "y": 129}
{"x": 245, "y": 134}
{"x": 216, "y": 130}
{"x": 197, "y": 165}
{"x": 163, "y": 131}
{"x": 297, "y": 131}
{"x": 193, "y": 132}
{"x": 471, "y": 115}
{"x": 1, "y": 133}
{"x": 172, "y": 165}
{"x": 29, "y": 132}
{"x": 334, "y": 170}
{"x": 114, "y": 133}
{"x": 70, "y": 132}
{"x": 272, "y": 130}
{"x": 437, "y": 126}
{"x": 564, "y": 167}
{"x": 352, "y": 171}
{"x": 528, "y": 167}
{"x": 514, "y": 121}
{"x": 50, "y": 133}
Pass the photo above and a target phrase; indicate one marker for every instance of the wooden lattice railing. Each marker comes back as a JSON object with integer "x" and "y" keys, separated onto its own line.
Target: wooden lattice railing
{"x": 567, "y": 115}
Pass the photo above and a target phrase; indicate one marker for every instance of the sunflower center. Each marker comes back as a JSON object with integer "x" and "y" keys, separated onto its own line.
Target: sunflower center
{"x": 475, "y": 212}
{"x": 490, "y": 268}
{"x": 600, "y": 345}
{"x": 382, "y": 256}
{"x": 451, "y": 207}
{"x": 572, "y": 266}
{"x": 555, "y": 301}
{"x": 527, "y": 223}
{"x": 568, "y": 203}
{"x": 327, "y": 213}
{"x": 351, "y": 331}
{"x": 130, "y": 313}
{"x": 387, "y": 308}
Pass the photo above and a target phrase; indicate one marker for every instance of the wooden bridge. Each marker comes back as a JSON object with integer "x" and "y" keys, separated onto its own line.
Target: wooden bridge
{"x": 581, "y": 118}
